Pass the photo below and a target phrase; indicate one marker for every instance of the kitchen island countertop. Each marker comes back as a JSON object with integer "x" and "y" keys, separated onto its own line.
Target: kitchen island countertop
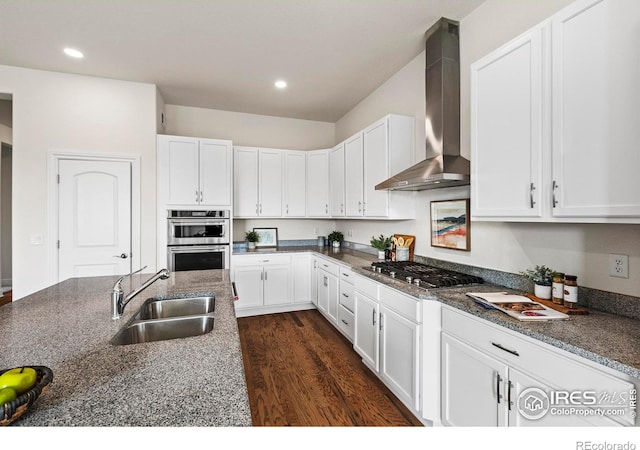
{"x": 197, "y": 381}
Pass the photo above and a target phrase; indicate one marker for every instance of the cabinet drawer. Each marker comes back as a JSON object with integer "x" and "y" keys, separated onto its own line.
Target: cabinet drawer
{"x": 346, "y": 322}
{"x": 557, "y": 368}
{"x": 347, "y": 299}
{"x": 366, "y": 286}
{"x": 329, "y": 266}
{"x": 409, "y": 307}
{"x": 263, "y": 260}
{"x": 346, "y": 275}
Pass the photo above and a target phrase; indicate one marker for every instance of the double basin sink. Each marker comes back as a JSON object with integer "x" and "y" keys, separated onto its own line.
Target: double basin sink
{"x": 168, "y": 318}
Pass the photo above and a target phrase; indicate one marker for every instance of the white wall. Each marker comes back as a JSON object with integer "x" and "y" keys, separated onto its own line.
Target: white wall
{"x": 72, "y": 113}
{"x": 579, "y": 249}
{"x": 249, "y": 129}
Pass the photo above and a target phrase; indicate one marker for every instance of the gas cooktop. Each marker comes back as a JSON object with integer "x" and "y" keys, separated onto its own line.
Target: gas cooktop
{"x": 423, "y": 276}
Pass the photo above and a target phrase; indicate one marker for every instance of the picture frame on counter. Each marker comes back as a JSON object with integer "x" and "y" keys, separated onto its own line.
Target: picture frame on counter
{"x": 268, "y": 237}
{"x": 450, "y": 226}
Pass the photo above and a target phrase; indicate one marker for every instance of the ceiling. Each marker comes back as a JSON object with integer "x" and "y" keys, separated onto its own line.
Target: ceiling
{"x": 227, "y": 54}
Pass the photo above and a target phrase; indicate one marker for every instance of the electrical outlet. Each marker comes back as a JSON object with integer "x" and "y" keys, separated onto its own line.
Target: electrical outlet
{"x": 350, "y": 233}
{"x": 315, "y": 231}
{"x": 619, "y": 266}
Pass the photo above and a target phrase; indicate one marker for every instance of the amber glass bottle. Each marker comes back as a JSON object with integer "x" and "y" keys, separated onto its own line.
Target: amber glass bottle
{"x": 570, "y": 291}
{"x": 557, "y": 289}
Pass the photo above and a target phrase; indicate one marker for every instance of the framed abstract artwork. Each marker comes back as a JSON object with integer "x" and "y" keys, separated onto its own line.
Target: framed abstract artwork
{"x": 450, "y": 224}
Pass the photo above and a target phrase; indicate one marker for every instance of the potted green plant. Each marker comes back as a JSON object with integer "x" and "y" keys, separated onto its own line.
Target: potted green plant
{"x": 336, "y": 237}
{"x": 381, "y": 243}
{"x": 252, "y": 237}
{"x": 542, "y": 277}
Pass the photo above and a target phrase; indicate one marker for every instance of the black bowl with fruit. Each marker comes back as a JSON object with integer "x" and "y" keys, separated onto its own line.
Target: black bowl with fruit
{"x": 20, "y": 387}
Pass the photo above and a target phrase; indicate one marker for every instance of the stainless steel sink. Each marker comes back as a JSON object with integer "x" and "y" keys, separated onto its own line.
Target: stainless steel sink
{"x": 175, "y": 307}
{"x": 139, "y": 331}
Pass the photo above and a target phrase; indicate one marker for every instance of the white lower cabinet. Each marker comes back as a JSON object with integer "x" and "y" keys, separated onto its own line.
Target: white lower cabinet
{"x": 264, "y": 283}
{"x": 301, "y": 267}
{"x": 387, "y": 336}
{"x": 493, "y": 377}
{"x": 327, "y": 287}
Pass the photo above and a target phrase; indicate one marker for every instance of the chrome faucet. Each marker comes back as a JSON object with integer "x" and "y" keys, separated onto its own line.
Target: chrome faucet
{"x": 118, "y": 299}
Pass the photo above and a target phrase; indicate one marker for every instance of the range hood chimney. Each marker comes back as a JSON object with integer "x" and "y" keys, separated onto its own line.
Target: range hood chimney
{"x": 444, "y": 167}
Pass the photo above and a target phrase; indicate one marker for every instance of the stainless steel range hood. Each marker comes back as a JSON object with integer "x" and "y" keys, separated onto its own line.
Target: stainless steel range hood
{"x": 444, "y": 167}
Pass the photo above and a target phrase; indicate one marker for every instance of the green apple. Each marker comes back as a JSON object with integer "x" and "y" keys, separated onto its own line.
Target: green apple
{"x": 7, "y": 395}
{"x": 20, "y": 379}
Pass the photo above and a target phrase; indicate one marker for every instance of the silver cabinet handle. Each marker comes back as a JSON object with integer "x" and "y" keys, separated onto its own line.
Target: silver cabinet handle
{"x": 341, "y": 208}
{"x": 509, "y": 402}
{"x": 260, "y": 208}
{"x": 344, "y": 322}
{"x": 265, "y": 276}
{"x": 373, "y": 317}
{"x": 531, "y": 189}
{"x": 381, "y": 320}
{"x": 345, "y": 295}
{"x": 197, "y": 196}
{"x": 364, "y": 206}
{"x": 554, "y": 202}
{"x": 262, "y": 276}
{"x": 359, "y": 206}
{"x": 325, "y": 281}
{"x": 121, "y": 255}
{"x": 287, "y": 208}
{"x": 326, "y": 208}
{"x": 256, "y": 209}
{"x": 498, "y": 381}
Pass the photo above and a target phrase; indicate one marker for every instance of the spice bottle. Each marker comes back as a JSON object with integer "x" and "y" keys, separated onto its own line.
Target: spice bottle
{"x": 570, "y": 291}
{"x": 557, "y": 288}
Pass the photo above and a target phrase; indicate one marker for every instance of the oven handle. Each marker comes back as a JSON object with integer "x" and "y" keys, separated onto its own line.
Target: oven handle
{"x": 235, "y": 291}
{"x": 196, "y": 248}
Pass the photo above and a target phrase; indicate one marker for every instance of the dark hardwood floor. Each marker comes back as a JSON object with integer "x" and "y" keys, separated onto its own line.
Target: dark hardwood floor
{"x": 5, "y": 298}
{"x": 302, "y": 372}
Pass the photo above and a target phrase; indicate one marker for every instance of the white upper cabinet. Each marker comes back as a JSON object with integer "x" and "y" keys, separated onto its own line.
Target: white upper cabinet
{"x": 336, "y": 181}
{"x": 388, "y": 148}
{"x": 595, "y": 73}
{"x": 554, "y": 125}
{"x": 318, "y": 183}
{"x": 257, "y": 182}
{"x": 507, "y": 120}
{"x": 295, "y": 183}
{"x": 354, "y": 173}
{"x": 194, "y": 172}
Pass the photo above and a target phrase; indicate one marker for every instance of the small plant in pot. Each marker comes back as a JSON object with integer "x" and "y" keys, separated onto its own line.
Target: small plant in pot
{"x": 542, "y": 277}
{"x": 336, "y": 238}
{"x": 381, "y": 243}
{"x": 252, "y": 237}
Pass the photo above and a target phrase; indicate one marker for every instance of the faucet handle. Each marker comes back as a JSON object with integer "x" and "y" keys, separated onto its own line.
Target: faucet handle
{"x": 117, "y": 286}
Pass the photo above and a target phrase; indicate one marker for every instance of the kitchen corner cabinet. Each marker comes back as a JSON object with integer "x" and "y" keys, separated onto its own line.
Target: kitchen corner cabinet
{"x": 553, "y": 125}
{"x": 295, "y": 183}
{"x": 301, "y": 268}
{"x": 257, "y": 182}
{"x": 194, "y": 172}
{"x": 354, "y": 173}
{"x": 318, "y": 183}
{"x": 327, "y": 288}
{"x": 485, "y": 368}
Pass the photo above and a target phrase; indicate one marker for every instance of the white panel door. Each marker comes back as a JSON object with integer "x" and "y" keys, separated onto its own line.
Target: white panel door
{"x": 181, "y": 162}
{"x": 270, "y": 193}
{"x": 376, "y": 169}
{"x": 366, "y": 342}
{"x": 245, "y": 182}
{"x": 336, "y": 181}
{"x": 318, "y": 183}
{"x": 94, "y": 218}
{"x": 295, "y": 184}
{"x": 215, "y": 173}
{"x": 249, "y": 281}
{"x": 277, "y": 285}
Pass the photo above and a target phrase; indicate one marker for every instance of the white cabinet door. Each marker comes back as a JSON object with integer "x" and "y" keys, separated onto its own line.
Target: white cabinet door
{"x": 318, "y": 183}
{"x": 314, "y": 282}
{"x": 473, "y": 386}
{"x": 507, "y": 129}
{"x": 332, "y": 298}
{"x": 376, "y": 169}
{"x": 399, "y": 355}
{"x": 322, "y": 290}
{"x": 336, "y": 181}
{"x": 295, "y": 183}
{"x": 248, "y": 280}
{"x": 270, "y": 182}
{"x": 367, "y": 342}
{"x": 354, "y": 173}
{"x": 301, "y": 265}
{"x": 178, "y": 161}
{"x": 216, "y": 160}
{"x": 595, "y": 73}
{"x": 245, "y": 182}
{"x": 277, "y": 282}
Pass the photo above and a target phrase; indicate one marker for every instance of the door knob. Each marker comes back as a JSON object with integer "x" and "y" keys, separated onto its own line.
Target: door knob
{"x": 123, "y": 256}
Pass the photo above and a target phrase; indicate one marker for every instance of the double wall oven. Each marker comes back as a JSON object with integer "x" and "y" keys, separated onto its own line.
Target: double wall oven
{"x": 198, "y": 240}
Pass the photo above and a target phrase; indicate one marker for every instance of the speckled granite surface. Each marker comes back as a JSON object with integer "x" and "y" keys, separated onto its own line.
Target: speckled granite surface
{"x": 196, "y": 381}
{"x": 608, "y": 339}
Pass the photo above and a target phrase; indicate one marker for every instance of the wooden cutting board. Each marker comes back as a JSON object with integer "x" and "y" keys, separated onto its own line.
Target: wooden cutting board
{"x": 411, "y": 247}
{"x": 563, "y": 309}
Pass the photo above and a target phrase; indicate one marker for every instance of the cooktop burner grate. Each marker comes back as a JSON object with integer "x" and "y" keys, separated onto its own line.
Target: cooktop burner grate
{"x": 422, "y": 275}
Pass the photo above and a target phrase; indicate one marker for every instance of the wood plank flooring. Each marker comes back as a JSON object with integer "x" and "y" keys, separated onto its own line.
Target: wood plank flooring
{"x": 302, "y": 372}
{"x": 6, "y": 298}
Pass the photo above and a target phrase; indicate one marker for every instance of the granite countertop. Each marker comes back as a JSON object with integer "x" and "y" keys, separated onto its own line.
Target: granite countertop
{"x": 607, "y": 339}
{"x": 197, "y": 381}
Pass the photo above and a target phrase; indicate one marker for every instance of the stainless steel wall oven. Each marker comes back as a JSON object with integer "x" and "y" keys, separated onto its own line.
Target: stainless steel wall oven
{"x": 198, "y": 240}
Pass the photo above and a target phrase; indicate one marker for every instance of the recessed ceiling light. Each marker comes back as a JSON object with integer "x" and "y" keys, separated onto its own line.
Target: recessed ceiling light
{"x": 73, "y": 52}
{"x": 281, "y": 84}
